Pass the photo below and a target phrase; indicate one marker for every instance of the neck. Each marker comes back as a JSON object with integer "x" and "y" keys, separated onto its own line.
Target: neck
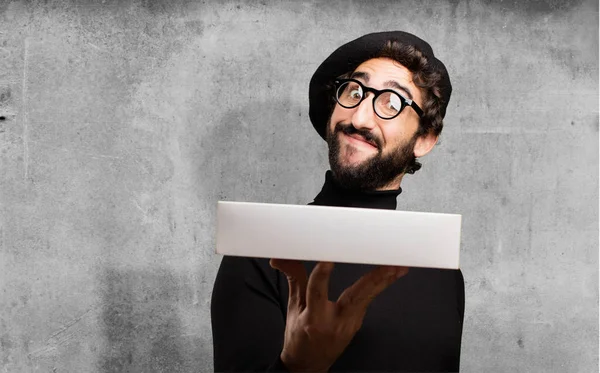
{"x": 393, "y": 185}
{"x": 334, "y": 194}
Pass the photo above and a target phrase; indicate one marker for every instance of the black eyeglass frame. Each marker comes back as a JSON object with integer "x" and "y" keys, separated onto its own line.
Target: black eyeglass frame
{"x": 405, "y": 101}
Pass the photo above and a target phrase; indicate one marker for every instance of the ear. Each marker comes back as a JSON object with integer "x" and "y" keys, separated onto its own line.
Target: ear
{"x": 424, "y": 144}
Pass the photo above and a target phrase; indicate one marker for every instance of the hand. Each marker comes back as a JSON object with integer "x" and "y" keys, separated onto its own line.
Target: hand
{"x": 317, "y": 330}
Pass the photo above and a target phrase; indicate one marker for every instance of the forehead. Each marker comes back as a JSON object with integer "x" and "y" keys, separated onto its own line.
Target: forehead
{"x": 380, "y": 71}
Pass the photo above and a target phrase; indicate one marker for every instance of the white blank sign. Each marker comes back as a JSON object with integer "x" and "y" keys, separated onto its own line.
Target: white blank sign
{"x": 338, "y": 234}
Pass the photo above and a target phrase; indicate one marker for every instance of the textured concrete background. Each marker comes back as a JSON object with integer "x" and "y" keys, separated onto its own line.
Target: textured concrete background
{"x": 122, "y": 124}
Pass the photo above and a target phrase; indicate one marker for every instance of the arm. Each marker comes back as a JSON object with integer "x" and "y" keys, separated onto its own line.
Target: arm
{"x": 248, "y": 321}
{"x": 460, "y": 293}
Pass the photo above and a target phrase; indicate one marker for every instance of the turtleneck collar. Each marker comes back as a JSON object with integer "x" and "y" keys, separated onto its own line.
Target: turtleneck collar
{"x": 334, "y": 194}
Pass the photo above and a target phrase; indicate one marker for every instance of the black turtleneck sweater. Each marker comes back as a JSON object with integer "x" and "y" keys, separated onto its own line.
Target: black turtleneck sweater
{"x": 415, "y": 325}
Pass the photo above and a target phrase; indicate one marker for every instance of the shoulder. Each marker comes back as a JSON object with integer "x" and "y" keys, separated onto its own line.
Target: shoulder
{"x": 254, "y": 272}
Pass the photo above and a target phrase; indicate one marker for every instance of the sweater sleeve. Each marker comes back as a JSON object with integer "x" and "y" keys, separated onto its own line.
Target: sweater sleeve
{"x": 248, "y": 319}
{"x": 460, "y": 292}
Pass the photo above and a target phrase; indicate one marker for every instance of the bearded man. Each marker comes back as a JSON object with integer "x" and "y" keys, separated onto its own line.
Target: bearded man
{"x": 379, "y": 102}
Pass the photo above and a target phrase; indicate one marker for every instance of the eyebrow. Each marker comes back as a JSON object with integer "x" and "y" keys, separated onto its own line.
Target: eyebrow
{"x": 390, "y": 83}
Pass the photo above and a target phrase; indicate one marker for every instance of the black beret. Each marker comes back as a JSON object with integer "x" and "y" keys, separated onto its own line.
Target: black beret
{"x": 347, "y": 58}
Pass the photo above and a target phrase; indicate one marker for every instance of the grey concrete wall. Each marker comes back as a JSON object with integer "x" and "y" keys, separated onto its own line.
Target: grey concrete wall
{"x": 123, "y": 123}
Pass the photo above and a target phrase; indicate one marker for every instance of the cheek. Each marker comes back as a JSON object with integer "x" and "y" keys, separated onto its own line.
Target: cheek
{"x": 335, "y": 118}
{"x": 340, "y": 114}
{"x": 397, "y": 134}
{"x": 335, "y": 114}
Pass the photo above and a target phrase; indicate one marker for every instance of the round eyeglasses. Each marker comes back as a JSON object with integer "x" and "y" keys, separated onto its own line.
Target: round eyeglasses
{"x": 387, "y": 103}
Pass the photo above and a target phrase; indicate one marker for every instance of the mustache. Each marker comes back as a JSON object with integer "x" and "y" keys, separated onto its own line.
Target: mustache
{"x": 349, "y": 129}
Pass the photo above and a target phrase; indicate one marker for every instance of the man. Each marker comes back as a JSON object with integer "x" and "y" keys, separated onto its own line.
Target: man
{"x": 379, "y": 102}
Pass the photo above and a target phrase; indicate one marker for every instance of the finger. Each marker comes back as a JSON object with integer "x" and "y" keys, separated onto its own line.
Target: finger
{"x": 357, "y": 297}
{"x": 297, "y": 279}
{"x": 317, "y": 290}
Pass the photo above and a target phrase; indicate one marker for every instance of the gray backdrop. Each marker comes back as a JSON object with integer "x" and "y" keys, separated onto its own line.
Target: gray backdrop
{"x": 122, "y": 124}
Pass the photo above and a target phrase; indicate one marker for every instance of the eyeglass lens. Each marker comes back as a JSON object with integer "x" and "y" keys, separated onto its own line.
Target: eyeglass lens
{"x": 387, "y": 104}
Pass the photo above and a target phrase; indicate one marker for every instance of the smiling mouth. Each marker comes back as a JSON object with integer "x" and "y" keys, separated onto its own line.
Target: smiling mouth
{"x": 358, "y": 138}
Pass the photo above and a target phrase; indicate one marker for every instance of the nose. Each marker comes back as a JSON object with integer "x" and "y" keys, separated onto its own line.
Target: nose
{"x": 363, "y": 116}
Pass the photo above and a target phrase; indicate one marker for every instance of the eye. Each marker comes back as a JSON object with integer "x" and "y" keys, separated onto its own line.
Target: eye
{"x": 355, "y": 93}
{"x": 394, "y": 102}
{"x": 388, "y": 104}
{"x": 349, "y": 94}
{"x": 353, "y": 90}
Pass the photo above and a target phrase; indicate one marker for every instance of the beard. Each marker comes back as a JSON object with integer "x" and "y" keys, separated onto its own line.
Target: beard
{"x": 373, "y": 173}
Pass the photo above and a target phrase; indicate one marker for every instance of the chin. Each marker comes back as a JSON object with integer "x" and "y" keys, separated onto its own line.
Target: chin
{"x": 352, "y": 161}
{"x": 352, "y": 156}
